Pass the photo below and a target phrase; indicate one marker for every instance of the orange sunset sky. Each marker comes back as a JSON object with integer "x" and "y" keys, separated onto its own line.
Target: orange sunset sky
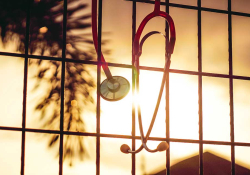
{"x": 116, "y": 117}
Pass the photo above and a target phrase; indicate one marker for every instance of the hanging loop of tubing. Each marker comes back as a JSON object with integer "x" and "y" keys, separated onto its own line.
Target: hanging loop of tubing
{"x": 113, "y": 88}
{"x": 95, "y": 39}
{"x": 136, "y": 54}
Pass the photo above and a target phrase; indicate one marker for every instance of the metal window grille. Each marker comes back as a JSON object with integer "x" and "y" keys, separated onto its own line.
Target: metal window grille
{"x": 200, "y": 74}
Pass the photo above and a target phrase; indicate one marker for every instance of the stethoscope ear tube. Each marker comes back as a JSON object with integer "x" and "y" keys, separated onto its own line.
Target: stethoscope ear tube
{"x": 163, "y": 145}
{"x": 170, "y": 49}
{"x": 137, "y": 50}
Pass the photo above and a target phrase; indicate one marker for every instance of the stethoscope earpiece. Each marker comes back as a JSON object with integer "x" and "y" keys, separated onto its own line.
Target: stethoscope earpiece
{"x": 125, "y": 148}
{"x": 162, "y": 146}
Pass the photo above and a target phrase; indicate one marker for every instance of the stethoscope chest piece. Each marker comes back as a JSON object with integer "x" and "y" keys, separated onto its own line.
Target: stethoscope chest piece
{"x": 114, "y": 89}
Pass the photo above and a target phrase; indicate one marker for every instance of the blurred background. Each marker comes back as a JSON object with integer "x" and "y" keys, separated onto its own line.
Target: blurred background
{"x": 44, "y": 87}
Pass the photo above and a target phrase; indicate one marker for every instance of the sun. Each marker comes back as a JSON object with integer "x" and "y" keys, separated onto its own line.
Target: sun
{"x": 116, "y": 117}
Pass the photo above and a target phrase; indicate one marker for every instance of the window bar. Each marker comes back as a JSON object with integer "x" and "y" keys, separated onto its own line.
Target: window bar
{"x": 137, "y": 82}
{"x": 75, "y": 133}
{"x": 98, "y": 135}
{"x": 196, "y": 8}
{"x": 25, "y": 81}
{"x": 231, "y": 87}
{"x": 167, "y": 99}
{"x": 98, "y": 125}
{"x": 133, "y": 88}
{"x": 178, "y": 71}
{"x": 200, "y": 90}
{"x": 62, "y": 87}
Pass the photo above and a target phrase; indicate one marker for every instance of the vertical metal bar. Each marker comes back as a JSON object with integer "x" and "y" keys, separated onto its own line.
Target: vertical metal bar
{"x": 98, "y": 119}
{"x": 133, "y": 88}
{"x": 98, "y": 87}
{"x": 200, "y": 90}
{"x": 167, "y": 100}
{"x": 25, "y": 81}
{"x": 62, "y": 86}
{"x": 231, "y": 87}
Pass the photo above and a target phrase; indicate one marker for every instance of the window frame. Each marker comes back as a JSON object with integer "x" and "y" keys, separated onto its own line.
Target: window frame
{"x": 200, "y": 74}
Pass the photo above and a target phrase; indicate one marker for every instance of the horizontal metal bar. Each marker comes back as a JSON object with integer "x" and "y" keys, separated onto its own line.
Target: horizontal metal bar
{"x": 12, "y": 54}
{"x": 122, "y": 136}
{"x": 128, "y": 66}
{"x": 240, "y": 14}
{"x": 195, "y": 73}
{"x": 197, "y": 8}
{"x": 48, "y": 58}
{"x": 66, "y": 59}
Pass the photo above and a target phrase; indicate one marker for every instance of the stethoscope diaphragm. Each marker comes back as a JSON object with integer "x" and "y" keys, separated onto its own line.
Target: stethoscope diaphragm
{"x": 114, "y": 89}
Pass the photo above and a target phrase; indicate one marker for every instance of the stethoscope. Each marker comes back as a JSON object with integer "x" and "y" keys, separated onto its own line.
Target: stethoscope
{"x": 115, "y": 88}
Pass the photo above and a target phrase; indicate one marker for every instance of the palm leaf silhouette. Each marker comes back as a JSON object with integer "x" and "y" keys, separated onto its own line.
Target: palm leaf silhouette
{"x": 46, "y": 38}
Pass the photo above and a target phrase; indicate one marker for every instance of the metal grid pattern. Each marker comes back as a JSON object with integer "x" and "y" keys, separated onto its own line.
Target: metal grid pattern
{"x": 132, "y": 137}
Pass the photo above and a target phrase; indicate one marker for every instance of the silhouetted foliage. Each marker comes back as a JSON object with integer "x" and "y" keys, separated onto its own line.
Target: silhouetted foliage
{"x": 46, "y": 38}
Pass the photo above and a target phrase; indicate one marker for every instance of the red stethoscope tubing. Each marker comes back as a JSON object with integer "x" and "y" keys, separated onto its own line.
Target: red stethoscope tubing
{"x": 136, "y": 54}
{"x": 150, "y": 16}
{"x": 95, "y": 39}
